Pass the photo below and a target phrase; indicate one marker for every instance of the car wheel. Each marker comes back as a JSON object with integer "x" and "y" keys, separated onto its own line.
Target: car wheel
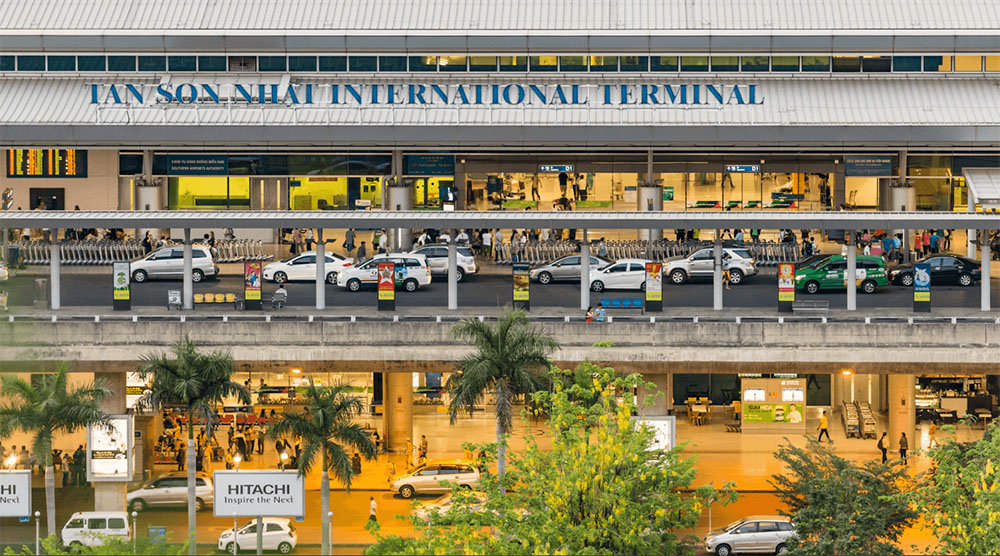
{"x": 229, "y": 548}
{"x": 75, "y": 547}
{"x": 138, "y": 505}
{"x": 781, "y": 549}
{"x": 280, "y": 277}
{"x": 735, "y": 277}
{"x": 199, "y": 504}
{"x": 406, "y": 491}
{"x": 544, "y": 278}
{"x": 964, "y": 279}
{"x": 410, "y": 285}
{"x": 459, "y": 274}
{"x": 678, "y": 276}
{"x": 139, "y": 276}
{"x": 331, "y": 278}
{"x": 354, "y": 284}
{"x": 723, "y": 550}
{"x": 197, "y": 276}
{"x": 284, "y": 548}
{"x": 906, "y": 280}
{"x": 597, "y": 286}
{"x": 868, "y": 286}
{"x": 812, "y": 287}
{"x": 642, "y": 287}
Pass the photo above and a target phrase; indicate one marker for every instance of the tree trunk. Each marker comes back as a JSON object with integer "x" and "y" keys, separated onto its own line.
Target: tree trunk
{"x": 192, "y": 452}
{"x": 501, "y": 456}
{"x": 324, "y": 489}
{"x": 50, "y": 495}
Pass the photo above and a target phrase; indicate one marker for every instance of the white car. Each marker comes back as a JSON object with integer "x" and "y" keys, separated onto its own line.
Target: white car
{"x": 430, "y": 476}
{"x": 168, "y": 262}
{"x": 437, "y": 259}
{"x": 626, "y": 274}
{"x": 425, "y": 512}
{"x": 701, "y": 263}
{"x": 303, "y": 267}
{"x": 279, "y": 534}
{"x": 412, "y": 272}
{"x": 91, "y": 528}
{"x": 171, "y": 490}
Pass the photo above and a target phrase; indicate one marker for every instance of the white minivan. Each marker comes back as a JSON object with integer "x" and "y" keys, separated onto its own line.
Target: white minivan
{"x": 168, "y": 262}
{"x": 91, "y": 528}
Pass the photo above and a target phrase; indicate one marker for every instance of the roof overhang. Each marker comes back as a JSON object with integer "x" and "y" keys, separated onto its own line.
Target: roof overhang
{"x": 984, "y": 186}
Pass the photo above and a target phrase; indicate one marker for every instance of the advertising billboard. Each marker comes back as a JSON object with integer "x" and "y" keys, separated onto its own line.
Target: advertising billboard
{"x": 922, "y": 282}
{"x": 386, "y": 286}
{"x": 654, "y": 286}
{"x": 251, "y": 285}
{"x": 259, "y": 493}
{"x": 792, "y": 413}
{"x": 15, "y": 493}
{"x": 135, "y": 387}
{"x": 122, "y": 299}
{"x": 522, "y": 282}
{"x": 109, "y": 450}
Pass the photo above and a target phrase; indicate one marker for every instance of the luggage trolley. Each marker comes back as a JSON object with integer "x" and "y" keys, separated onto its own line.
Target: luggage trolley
{"x": 866, "y": 420}
{"x": 850, "y": 415}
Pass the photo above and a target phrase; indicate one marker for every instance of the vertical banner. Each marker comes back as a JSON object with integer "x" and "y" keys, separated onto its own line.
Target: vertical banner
{"x": 123, "y": 289}
{"x": 109, "y": 450}
{"x": 251, "y": 286}
{"x": 521, "y": 284}
{"x": 921, "y": 288}
{"x": 654, "y": 287}
{"x": 386, "y": 286}
{"x": 786, "y": 287}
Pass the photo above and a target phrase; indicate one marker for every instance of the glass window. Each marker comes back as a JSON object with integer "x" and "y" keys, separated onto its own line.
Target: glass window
{"x": 784, "y": 526}
{"x": 212, "y": 63}
{"x": 968, "y": 63}
{"x": 62, "y": 63}
{"x": 633, "y": 63}
{"x": 152, "y": 63}
{"x": 75, "y": 524}
{"x": 572, "y": 63}
{"x": 208, "y": 193}
{"x": 746, "y": 528}
{"x": 814, "y": 63}
{"x": 725, "y": 63}
{"x": 992, "y": 63}
{"x": 116, "y": 523}
{"x": 318, "y": 193}
{"x": 243, "y": 63}
{"x": 423, "y": 63}
{"x": 271, "y": 63}
{"x": 181, "y": 63}
{"x": 756, "y": 63}
{"x": 301, "y": 63}
{"x": 31, "y": 63}
{"x": 318, "y": 165}
{"x": 121, "y": 63}
{"x": 937, "y": 63}
{"x": 392, "y": 63}
{"x": 766, "y": 526}
{"x": 97, "y": 523}
{"x": 453, "y": 63}
{"x": 274, "y": 528}
{"x": 513, "y": 63}
{"x": 6, "y": 63}
{"x": 91, "y": 63}
{"x": 663, "y": 63}
{"x": 483, "y": 63}
{"x": 333, "y": 63}
{"x": 906, "y": 63}
{"x": 846, "y": 63}
{"x": 694, "y": 63}
{"x": 876, "y": 63}
{"x": 129, "y": 164}
{"x": 604, "y": 63}
{"x": 543, "y": 63}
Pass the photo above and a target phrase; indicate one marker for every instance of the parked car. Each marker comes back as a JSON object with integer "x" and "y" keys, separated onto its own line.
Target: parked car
{"x": 91, "y": 528}
{"x": 945, "y": 269}
{"x": 303, "y": 267}
{"x": 763, "y": 534}
{"x": 437, "y": 259}
{"x": 701, "y": 263}
{"x": 279, "y": 534}
{"x": 813, "y": 260}
{"x": 626, "y": 274}
{"x": 829, "y": 275}
{"x": 428, "y": 477}
{"x": 168, "y": 262}
{"x": 564, "y": 269}
{"x": 171, "y": 490}
{"x": 412, "y": 272}
{"x": 424, "y": 512}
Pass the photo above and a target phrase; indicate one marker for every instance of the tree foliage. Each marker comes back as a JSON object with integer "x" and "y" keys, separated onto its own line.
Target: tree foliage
{"x": 110, "y": 546}
{"x": 840, "y": 507}
{"x": 599, "y": 489}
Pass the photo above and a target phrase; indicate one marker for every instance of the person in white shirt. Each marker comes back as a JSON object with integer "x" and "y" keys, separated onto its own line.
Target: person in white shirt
{"x": 372, "y": 508}
{"x": 462, "y": 237}
{"x": 382, "y": 241}
{"x": 444, "y": 237}
{"x": 487, "y": 243}
{"x": 422, "y": 239}
{"x": 497, "y": 243}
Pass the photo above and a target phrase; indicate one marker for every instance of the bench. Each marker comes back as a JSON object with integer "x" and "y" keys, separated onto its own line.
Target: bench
{"x": 634, "y": 303}
{"x": 812, "y": 306}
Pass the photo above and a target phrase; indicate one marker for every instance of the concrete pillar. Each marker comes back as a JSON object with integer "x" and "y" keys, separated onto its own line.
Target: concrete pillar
{"x": 717, "y": 272}
{"x": 110, "y": 497}
{"x": 320, "y": 270}
{"x": 452, "y": 271}
{"x": 400, "y": 198}
{"x": 398, "y": 410}
{"x": 650, "y": 199}
{"x": 188, "y": 287}
{"x": 839, "y": 185}
{"x": 662, "y": 403}
{"x": 851, "y": 272}
{"x": 984, "y": 284}
{"x": 902, "y": 412}
{"x": 970, "y": 235}
{"x": 55, "y": 270}
{"x": 585, "y": 272}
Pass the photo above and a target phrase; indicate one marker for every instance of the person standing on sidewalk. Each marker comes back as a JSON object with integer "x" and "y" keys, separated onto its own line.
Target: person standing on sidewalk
{"x": 904, "y": 445}
{"x": 882, "y": 447}
{"x": 372, "y": 509}
{"x": 824, "y": 428}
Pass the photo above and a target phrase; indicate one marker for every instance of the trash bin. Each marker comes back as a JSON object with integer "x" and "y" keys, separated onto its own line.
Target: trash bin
{"x": 13, "y": 255}
{"x": 42, "y": 293}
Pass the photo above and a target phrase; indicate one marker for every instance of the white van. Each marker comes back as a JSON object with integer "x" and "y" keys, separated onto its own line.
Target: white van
{"x": 91, "y": 528}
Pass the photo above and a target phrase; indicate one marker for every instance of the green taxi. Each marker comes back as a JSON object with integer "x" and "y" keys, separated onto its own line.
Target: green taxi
{"x": 829, "y": 275}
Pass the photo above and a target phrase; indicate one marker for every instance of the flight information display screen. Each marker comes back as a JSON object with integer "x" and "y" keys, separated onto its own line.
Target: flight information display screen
{"x": 46, "y": 163}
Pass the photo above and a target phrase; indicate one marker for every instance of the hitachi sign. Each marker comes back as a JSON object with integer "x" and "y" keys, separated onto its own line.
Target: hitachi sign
{"x": 412, "y": 94}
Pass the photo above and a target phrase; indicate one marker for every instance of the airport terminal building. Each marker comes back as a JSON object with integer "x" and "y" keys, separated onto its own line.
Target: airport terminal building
{"x": 519, "y": 105}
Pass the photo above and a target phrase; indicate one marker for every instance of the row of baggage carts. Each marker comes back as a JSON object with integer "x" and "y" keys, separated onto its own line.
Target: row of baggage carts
{"x": 764, "y": 253}
{"x": 106, "y": 252}
{"x": 859, "y": 422}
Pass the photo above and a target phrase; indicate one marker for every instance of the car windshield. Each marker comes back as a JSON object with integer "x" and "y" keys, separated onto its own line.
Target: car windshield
{"x": 734, "y": 525}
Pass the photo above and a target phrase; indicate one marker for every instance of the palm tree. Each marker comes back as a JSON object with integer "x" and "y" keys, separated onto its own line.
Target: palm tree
{"x": 46, "y": 408}
{"x": 325, "y": 427}
{"x": 509, "y": 360}
{"x": 197, "y": 381}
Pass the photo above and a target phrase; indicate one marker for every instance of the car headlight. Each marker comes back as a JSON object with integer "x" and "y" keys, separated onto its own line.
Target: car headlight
{"x": 799, "y": 277}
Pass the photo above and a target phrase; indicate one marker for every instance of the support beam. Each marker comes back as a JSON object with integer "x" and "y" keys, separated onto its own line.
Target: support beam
{"x": 970, "y": 237}
{"x": 452, "y": 271}
{"x": 54, "y": 270}
{"x": 717, "y": 272}
{"x": 188, "y": 286}
{"x": 110, "y": 496}
{"x": 852, "y": 271}
{"x": 984, "y": 283}
{"x": 585, "y": 272}
{"x": 320, "y": 270}
{"x": 398, "y": 396}
{"x": 902, "y": 413}
{"x": 662, "y": 403}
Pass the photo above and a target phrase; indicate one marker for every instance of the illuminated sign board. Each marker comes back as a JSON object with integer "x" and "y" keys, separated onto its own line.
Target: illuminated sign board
{"x": 46, "y": 163}
{"x": 259, "y": 493}
{"x": 109, "y": 450}
{"x": 555, "y": 168}
{"x": 15, "y": 493}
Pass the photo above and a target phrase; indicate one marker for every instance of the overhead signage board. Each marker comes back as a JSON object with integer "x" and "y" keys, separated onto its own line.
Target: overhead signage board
{"x": 109, "y": 450}
{"x": 46, "y": 163}
{"x": 555, "y": 168}
{"x": 259, "y": 493}
{"x": 429, "y": 165}
{"x": 868, "y": 166}
{"x": 15, "y": 493}
{"x": 197, "y": 165}
{"x": 742, "y": 168}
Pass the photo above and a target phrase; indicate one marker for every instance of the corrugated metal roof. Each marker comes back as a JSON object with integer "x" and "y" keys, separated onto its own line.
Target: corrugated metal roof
{"x": 798, "y": 101}
{"x": 558, "y": 16}
{"x": 985, "y": 185}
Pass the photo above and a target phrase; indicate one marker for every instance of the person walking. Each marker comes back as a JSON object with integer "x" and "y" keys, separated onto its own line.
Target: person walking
{"x": 904, "y": 445}
{"x": 296, "y": 241}
{"x": 882, "y": 447}
{"x": 180, "y": 457}
{"x": 372, "y": 509}
{"x": 423, "y": 444}
{"x": 309, "y": 239}
{"x": 362, "y": 253}
{"x": 932, "y": 435}
{"x": 349, "y": 240}
{"x": 824, "y": 428}
{"x": 487, "y": 243}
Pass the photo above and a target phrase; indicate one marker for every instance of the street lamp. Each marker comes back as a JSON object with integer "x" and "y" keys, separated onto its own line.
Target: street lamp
{"x": 135, "y": 532}
{"x": 11, "y": 462}
{"x": 237, "y": 460}
{"x": 284, "y": 458}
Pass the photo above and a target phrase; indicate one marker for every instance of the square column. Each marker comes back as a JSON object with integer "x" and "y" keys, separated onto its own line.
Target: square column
{"x": 717, "y": 272}
{"x": 320, "y": 270}
{"x": 851, "y": 274}
{"x": 902, "y": 412}
{"x": 452, "y": 272}
{"x": 110, "y": 496}
{"x": 398, "y": 411}
{"x": 55, "y": 268}
{"x": 188, "y": 289}
{"x": 585, "y": 272}
{"x": 970, "y": 235}
{"x": 984, "y": 282}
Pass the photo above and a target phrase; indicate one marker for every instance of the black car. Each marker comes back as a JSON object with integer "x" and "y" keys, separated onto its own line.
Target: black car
{"x": 945, "y": 269}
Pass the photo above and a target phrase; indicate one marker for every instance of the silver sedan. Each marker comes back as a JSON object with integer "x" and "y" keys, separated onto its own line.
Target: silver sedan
{"x": 564, "y": 269}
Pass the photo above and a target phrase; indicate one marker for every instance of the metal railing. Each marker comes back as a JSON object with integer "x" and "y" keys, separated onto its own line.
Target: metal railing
{"x": 105, "y": 251}
{"x": 764, "y": 253}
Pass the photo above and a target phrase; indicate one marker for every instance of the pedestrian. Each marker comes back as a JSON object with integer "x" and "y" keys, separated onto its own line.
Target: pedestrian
{"x": 147, "y": 244}
{"x": 377, "y": 440}
{"x": 179, "y": 458}
{"x": 726, "y": 276}
{"x": 296, "y": 241}
{"x": 882, "y": 447}
{"x": 935, "y": 240}
{"x": 462, "y": 237}
{"x": 309, "y": 239}
{"x": 356, "y": 463}
{"x": 79, "y": 466}
{"x": 409, "y": 453}
{"x": 349, "y": 240}
{"x": 362, "y": 253}
{"x": 372, "y": 508}
{"x": 926, "y": 242}
{"x": 932, "y": 435}
{"x": 423, "y": 443}
{"x": 229, "y": 459}
{"x": 229, "y": 437}
{"x": 824, "y": 428}
{"x": 903, "y": 446}
{"x": 590, "y": 314}
{"x": 383, "y": 241}
{"x": 487, "y": 244}
{"x": 390, "y": 473}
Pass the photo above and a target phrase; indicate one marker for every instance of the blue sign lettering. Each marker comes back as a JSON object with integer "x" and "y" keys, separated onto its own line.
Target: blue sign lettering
{"x": 555, "y": 168}
{"x": 742, "y": 168}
